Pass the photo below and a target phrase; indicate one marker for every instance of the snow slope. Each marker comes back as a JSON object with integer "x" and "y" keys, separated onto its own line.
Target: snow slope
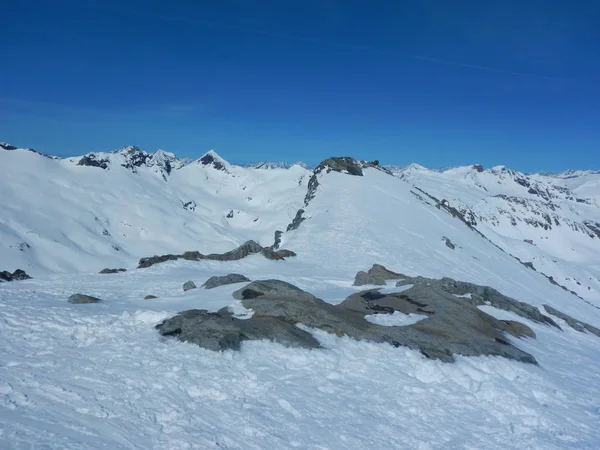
{"x": 99, "y": 376}
{"x": 534, "y": 218}
{"x": 58, "y": 216}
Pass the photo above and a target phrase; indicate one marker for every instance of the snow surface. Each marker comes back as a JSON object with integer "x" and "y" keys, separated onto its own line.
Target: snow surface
{"x": 396, "y": 319}
{"x": 99, "y": 376}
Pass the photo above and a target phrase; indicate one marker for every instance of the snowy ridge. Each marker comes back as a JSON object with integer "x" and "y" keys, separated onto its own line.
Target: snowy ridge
{"x": 99, "y": 376}
{"x": 532, "y": 217}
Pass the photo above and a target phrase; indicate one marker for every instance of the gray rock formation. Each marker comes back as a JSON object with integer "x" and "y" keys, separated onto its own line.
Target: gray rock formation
{"x": 17, "y": 275}
{"x": 448, "y": 243}
{"x": 82, "y": 298}
{"x": 453, "y": 325}
{"x": 149, "y": 297}
{"x": 572, "y": 322}
{"x": 188, "y": 285}
{"x": 221, "y": 331}
{"x": 247, "y": 248}
{"x": 217, "y": 281}
{"x": 377, "y": 275}
{"x": 107, "y": 271}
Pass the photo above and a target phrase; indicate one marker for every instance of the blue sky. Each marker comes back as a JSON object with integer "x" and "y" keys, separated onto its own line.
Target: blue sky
{"x": 431, "y": 81}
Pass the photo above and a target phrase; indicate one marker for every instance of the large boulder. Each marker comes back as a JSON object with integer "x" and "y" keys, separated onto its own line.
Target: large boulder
{"x": 109, "y": 271}
{"x": 222, "y": 331}
{"x": 17, "y": 275}
{"x": 217, "y": 281}
{"x": 376, "y": 275}
{"x": 189, "y": 285}
{"x": 82, "y": 298}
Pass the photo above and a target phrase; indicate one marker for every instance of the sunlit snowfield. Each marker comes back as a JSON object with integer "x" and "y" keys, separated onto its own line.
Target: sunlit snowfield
{"x": 99, "y": 376}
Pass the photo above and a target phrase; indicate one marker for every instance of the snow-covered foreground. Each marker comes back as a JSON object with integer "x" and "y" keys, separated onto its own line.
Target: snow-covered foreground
{"x": 99, "y": 376}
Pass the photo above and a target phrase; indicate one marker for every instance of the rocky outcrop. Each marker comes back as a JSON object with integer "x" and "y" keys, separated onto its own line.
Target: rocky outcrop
{"x": 448, "y": 243}
{"x": 189, "y": 285}
{"x": 298, "y": 219}
{"x": 217, "y": 281}
{"x": 82, "y": 298}
{"x": 247, "y": 248}
{"x": 17, "y": 275}
{"x": 454, "y": 325}
{"x": 93, "y": 160}
{"x": 108, "y": 271}
{"x": 377, "y": 275}
{"x": 572, "y": 322}
{"x": 149, "y": 297}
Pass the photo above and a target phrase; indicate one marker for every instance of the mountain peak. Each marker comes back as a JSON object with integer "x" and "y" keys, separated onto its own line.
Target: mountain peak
{"x": 211, "y": 158}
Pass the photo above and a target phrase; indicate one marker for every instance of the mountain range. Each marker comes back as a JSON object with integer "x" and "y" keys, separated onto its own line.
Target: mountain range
{"x": 494, "y": 344}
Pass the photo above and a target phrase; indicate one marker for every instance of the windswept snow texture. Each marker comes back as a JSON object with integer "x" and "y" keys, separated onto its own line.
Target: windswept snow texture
{"x": 98, "y": 375}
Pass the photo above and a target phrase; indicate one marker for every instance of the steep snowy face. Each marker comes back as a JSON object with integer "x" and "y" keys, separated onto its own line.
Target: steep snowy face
{"x": 536, "y": 218}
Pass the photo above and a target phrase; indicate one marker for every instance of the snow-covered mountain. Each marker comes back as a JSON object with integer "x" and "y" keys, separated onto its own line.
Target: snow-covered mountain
{"x": 552, "y": 223}
{"x": 99, "y": 376}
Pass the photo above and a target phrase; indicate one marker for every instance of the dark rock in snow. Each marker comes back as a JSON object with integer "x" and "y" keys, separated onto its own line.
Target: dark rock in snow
{"x": 107, "y": 271}
{"x": 17, "y": 275}
{"x": 149, "y": 297}
{"x": 222, "y": 331}
{"x": 453, "y": 326}
{"x": 377, "y": 275}
{"x": 82, "y": 298}
{"x": 92, "y": 160}
{"x": 209, "y": 159}
{"x": 188, "y": 285}
{"x": 449, "y": 243}
{"x": 572, "y": 322}
{"x": 217, "y": 281}
{"x": 247, "y": 248}
{"x": 298, "y": 219}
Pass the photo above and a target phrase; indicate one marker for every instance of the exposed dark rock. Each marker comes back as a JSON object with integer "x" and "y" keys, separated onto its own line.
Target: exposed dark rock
{"x": 230, "y": 214}
{"x": 113, "y": 270}
{"x": 222, "y": 331}
{"x": 6, "y": 146}
{"x": 209, "y": 159}
{"x": 189, "y": 285}
{"x": 17, "y": 275}
{"x": 343, "y": 164}
{"x": 377, "y": 275}
{"x": 149, "y": 297}
{"x": 484, "y": 295}
{"x": 9, "y": 147}
{"x": 529, "y": 241}
{"x": 217, "y": 281}
{"x": 277, "y": 240}
{"x": 572, "y": 322}
{"x": 453, "y": 326}
{"x": 448, "y": 243}
{"x": 298, "y": 219}
{"x": 82, "y": 298}
{"x": 247, "y": 248}
{"x": 189, "y": 206}
{"x": 478, "y": 168}
{"x": 93, "y": 161}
